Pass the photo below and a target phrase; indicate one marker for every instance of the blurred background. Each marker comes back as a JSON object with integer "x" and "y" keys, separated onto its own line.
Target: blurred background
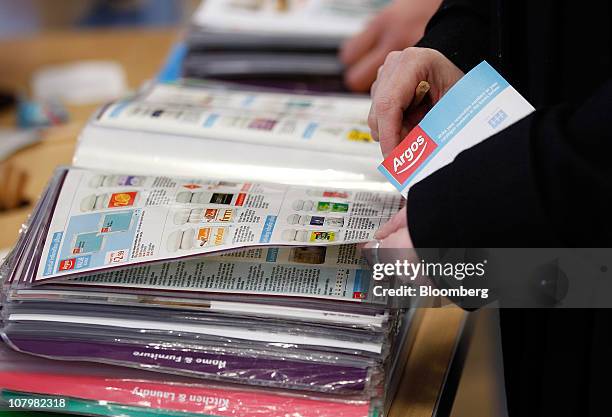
{"x": 27, "y": 17}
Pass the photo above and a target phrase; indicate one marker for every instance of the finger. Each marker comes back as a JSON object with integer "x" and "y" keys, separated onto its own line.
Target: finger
{"x": 385, "y": 68}
{"x": 394, "y": 93}
{"x": 372, "y": 123}
{"x": 412, "y": 118}
{"x": 396, "y": 246}
{"x": 400, "y": 239}
{"x": 363, "y": 73}
{"x": 373, "y": 87}
{"x": 386, "y": 107}
{"x": 399, "y": 220}
{"x": 375, "y": 83}
{"x": 357, "y": 46}
{"x": 389, "y": 124}
{"x": 371, "y": 115}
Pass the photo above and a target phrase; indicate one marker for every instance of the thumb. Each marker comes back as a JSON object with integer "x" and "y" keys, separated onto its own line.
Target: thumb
{"x": 396, "y": 222}
{"x": 400, "y": 239}
{"x": 396, "y": 246}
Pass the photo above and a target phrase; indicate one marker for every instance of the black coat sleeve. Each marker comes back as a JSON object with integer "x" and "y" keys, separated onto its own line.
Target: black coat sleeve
{"x": 461, "y": 31}
{"x": 540, "y": 183}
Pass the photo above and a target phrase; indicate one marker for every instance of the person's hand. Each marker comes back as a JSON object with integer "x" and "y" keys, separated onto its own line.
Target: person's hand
{"x": 392, "y": 235}
{"x": 391, "y": 115}
{"x": 399, "y": 25}
{"x": 395, "y": 231}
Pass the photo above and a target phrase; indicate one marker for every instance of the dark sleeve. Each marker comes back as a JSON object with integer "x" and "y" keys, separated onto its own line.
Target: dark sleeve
{"x": 540, "y": 183}
{"x": 461, "y": 31}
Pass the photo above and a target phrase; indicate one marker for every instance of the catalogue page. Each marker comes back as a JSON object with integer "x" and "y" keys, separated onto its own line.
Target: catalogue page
{"x": 319, "y": 122}
{"x": 104, "y": 220}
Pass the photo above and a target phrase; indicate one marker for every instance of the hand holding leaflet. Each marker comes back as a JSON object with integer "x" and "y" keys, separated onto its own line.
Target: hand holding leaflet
{"x": 395, "y": 109}
{"x": 479, "y": 105}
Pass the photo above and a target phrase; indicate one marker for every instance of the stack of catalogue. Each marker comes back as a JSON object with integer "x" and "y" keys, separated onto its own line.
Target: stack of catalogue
{"x": 259, "y": 41}
{"x": 240, "y": 290}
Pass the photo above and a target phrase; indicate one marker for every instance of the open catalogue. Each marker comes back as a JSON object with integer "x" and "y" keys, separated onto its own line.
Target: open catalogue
{"x": 216, "y": 130}
{"x": 208, "y": 236}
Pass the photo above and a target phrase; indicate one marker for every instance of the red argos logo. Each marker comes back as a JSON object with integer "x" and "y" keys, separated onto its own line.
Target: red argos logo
{"x": 409, "y": 155}
{"x": 67, "y": 264}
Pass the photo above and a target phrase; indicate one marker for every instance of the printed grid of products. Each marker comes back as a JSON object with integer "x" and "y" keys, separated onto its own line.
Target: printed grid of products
{"x": 214, "y": 96}
{"x": 324, "y": 272}
{"x": 103, "y": 220}
{"x": 232, "y": 114}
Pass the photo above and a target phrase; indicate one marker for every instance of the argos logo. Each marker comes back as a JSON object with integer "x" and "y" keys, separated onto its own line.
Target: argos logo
{"x": 409, "y": 155}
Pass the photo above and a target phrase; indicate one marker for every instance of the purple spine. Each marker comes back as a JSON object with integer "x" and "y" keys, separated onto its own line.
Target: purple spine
{"x": 315, "y": 376}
